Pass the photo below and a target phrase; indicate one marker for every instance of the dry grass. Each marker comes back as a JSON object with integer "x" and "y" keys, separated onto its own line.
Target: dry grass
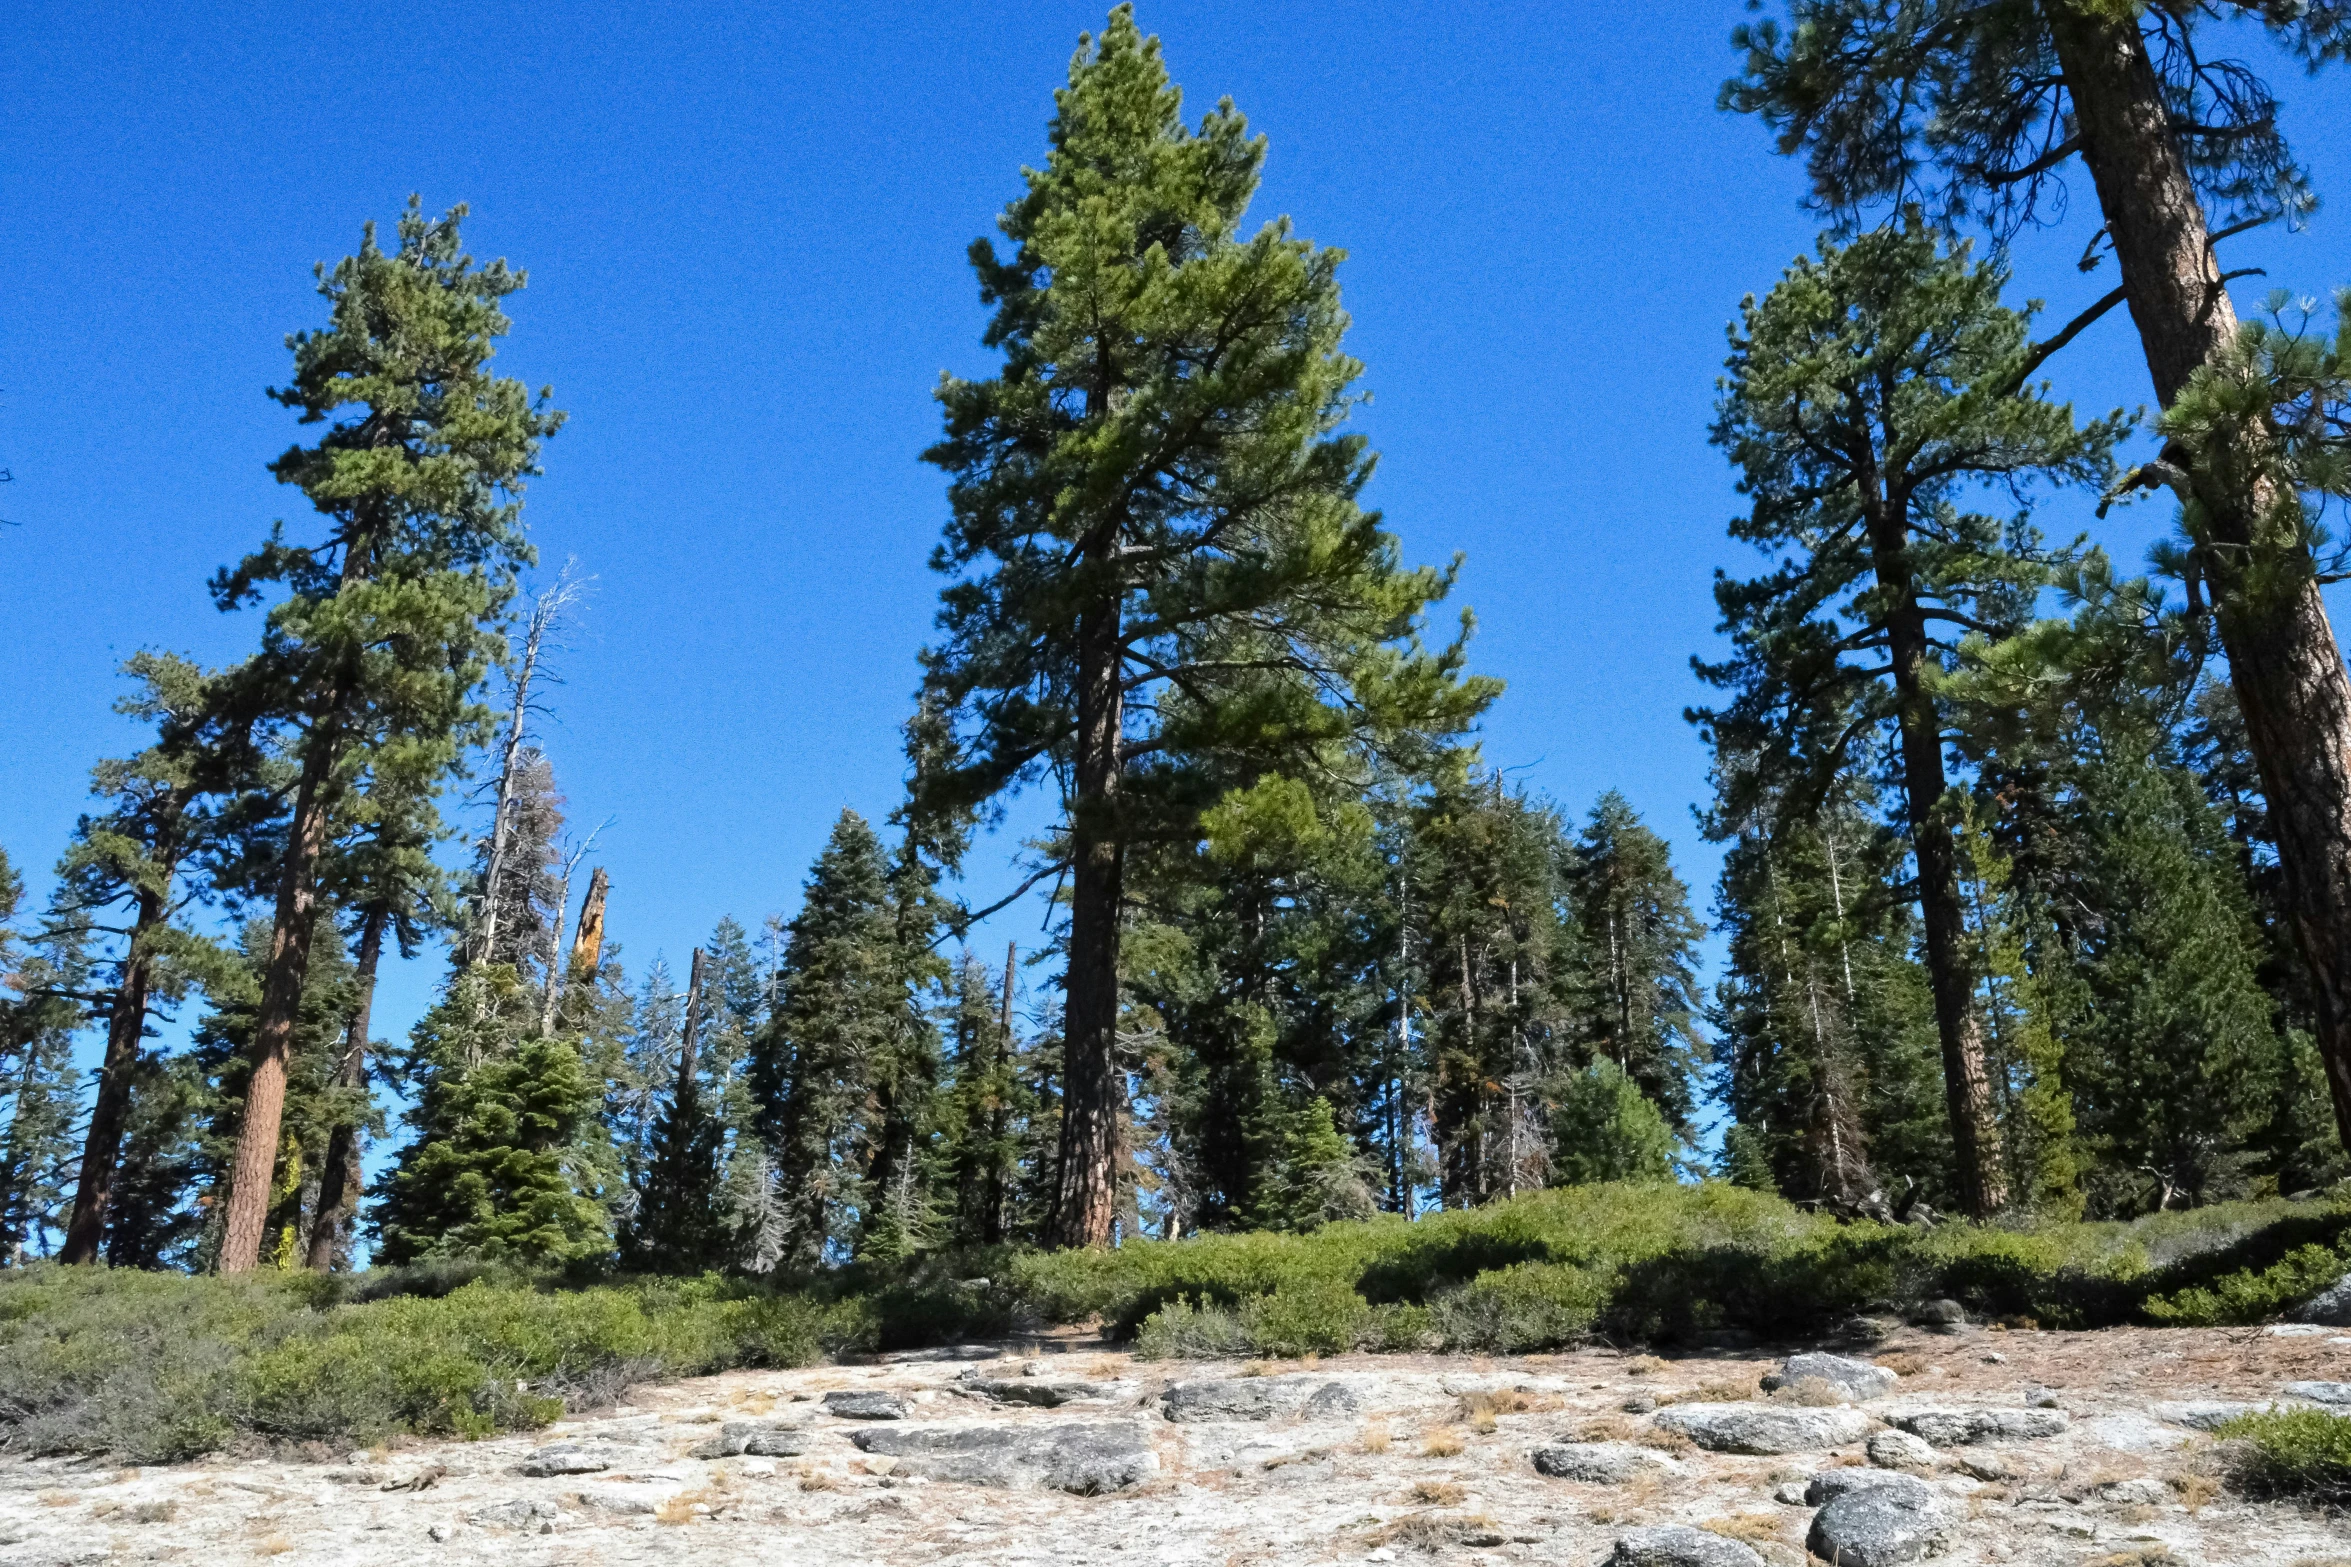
{"x": 1811, "y": 1392}
{"x": 2197, "y": 1489}
{"x": 1435, "y": 1532}
{"x": 1719, "y": 1392}
{"x": 275, "y": 1545}
{"x": 686, "y": 1506}
{"x": 819, "y": 1480}
{"x": 2137, "y": 1556}
{"x": 1643, "y": 1366}
{"x": 1630, "y": 1501}
{"x": 1437, "y": 1493}
{"x": 1375, "y": 1439}
{"x": 1441, "y": 1443}
{"x": 1908, "y": 1363}
{"x": 1259, "y": 1368}
{"x": 1105, "y": 1368}
{"x": 1747, "y": 1527}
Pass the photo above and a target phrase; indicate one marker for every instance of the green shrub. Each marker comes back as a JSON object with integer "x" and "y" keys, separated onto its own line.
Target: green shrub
{"x": 1535, "y": 1305}
{"x": 2302, "y": 1453}
{"x": 2247, "y": 1295}
{"x": 1314, "y": 1317}
{"x": 1180, "y": 1330}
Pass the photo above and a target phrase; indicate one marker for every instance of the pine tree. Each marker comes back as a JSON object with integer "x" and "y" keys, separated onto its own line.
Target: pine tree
{"x": 37, "y": 1090}
{"x": 1609, "y": 1129}
{"x": 985, "y": 1107}
{"x": 310, "y": 1103}
{"x": 389, "y": 624}
{"x": 492, "y": 1168}
{"x": 127, "y": 861}
{"x": 679, "y": 1224}
{"x": 1980, "y": 107}
{"x": 839, "y": 1003}
{"x": 1638, "y": 1002}
{"x": 1864, "y": 394}
{"x": 1154, "y": 497}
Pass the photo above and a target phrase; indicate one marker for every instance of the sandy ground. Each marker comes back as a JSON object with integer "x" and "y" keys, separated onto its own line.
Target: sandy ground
{"x": 1433, "y": 1466}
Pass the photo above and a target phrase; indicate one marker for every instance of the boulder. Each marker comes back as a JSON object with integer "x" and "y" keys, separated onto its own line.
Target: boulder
{"x": 2210, "y": 1414}
{"x": 1966, "y": 1427}
{"x": 1679, "y": 1545}
{"x": 866, "y": 1405}
{"x": 1830, "y": 1484}
{"x": 2330, "y": 1307}
{"x": 756, "y": 1439}
{"x": 1899, "y": 1450}
{"x": 1764, "y": 1428}
{"x": 1941, "y": 1315}
{"x": 1596, "y": 1463}
{"x": 1259, "y": 1398}
{"x": 1088, "y": 1460}
{"x": 1899, "y": 1519}
{"x": 2138, "y": 1491}
{"x": 2319, "y": 1392}
{"x": 570, "y": 1458}
{"x": 1855, "y": 1379}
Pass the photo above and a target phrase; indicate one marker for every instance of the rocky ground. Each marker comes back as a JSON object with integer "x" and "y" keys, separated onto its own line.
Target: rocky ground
{"x": 1977, "y": 1445}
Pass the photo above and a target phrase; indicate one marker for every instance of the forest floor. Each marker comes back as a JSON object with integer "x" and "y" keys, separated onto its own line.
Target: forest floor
{"x": 1413, "y": 1458}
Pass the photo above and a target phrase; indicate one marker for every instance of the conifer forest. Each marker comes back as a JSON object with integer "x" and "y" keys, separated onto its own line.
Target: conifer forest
{"x": 2034, "y": 901}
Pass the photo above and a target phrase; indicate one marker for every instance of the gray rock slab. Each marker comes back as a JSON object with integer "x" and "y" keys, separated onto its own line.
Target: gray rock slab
{"x": 1259, "y": 1398}
{"x": 2319, "y": 1392}
{"x": 1088, "y": 1460}
{"x": 520, "y": 1512}
{"x": 1898, "y": 1520}
{"x": 570, "y": 1458}
{"x": 1899, "y": 1450}
{"x": 864, "y": 1405}
{"x": 1679, "y": 1545}
{"x": 1855, "y": 1379}
{"x": 1764, "y": 1428}
{"x": 2130, "y": 1432}
{"x": 2138, "y": 1491}
{"x": 2330, "y": 1307}
{"x": 757, "y": 1439}
{"x": 1042, "y": 1392}
{"x": 1596, "y": 1463}
{"x": 1965, "y": 1427}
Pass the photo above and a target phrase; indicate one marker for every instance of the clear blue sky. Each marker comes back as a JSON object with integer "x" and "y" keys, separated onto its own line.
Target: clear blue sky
{"x": 744, "y": 228}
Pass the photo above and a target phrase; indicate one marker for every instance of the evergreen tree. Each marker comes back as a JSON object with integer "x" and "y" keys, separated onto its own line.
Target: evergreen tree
{"x": 38, "y": 1022}
{"x": 492, "y": 1167}
{"x": 388, "y": 625}
{"x": 126, "y": 863}
{"x": 985, "y": 1107}
{"x": 1981, "y": 107}
{"x": 151, "y": 1223}
{"x": 1638, "y": 1003}
{"x": 1864, "y": 394}
{"x": 310, "y": 1104}
{"x": 838, "y": 1006}
{"x": 1609, "y": 1129}
{"x": 679, "y": 1223}
{"x": 1153, "y": 500}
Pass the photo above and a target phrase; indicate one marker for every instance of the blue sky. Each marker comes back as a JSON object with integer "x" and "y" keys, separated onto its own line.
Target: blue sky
{"x": 744, "y": 228}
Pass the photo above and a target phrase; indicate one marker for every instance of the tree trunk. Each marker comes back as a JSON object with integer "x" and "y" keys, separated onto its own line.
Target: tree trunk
{"x": 693, "y": 1024}
{"x": 338, "y": 1176}
{"x": 2284, "y": 664}
{"x": 255, "y": 1164}
{"x": 1085, "y": 1196}
{"x": 587, "y": 946}
{"x": 1967, "y": 1092}
{"x": 126, "y": 1026}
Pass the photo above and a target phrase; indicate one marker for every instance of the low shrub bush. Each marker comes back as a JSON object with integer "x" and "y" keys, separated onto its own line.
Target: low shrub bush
{"x": 2303, "y": 1453}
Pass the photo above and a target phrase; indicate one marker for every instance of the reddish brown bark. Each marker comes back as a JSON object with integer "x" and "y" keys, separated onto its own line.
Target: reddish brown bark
{"x": 1085, "y": 1202}
{"x": 126, "y": 1026}
{"x": 2284, "y": 663}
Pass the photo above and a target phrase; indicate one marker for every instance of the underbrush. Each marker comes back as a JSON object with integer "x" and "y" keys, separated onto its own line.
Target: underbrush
{"x": 2299, "y": 1453}
{"x": 155, "y": 1367}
